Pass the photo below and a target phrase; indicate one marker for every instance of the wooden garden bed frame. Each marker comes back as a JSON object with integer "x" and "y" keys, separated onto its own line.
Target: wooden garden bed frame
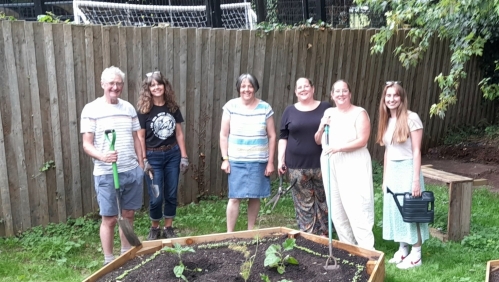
{"x": 375, "y": 266}
{"x": 492, "y": 265}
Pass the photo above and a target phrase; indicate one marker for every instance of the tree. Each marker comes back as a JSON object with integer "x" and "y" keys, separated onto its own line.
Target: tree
{"x": 469, "y": 25}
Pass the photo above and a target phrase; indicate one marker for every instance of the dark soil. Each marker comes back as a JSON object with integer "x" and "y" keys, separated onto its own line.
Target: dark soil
{"x": 494, "y": 276}
{"x": 223, "y": 264}
{"x": 470, "y": 152}
{"x": 477, "y": 159}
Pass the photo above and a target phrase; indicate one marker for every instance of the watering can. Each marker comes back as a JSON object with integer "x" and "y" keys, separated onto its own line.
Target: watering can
{"x": 416, "y": 209}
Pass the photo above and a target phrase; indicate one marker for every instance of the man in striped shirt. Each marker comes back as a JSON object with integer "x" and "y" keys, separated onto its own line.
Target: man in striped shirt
{"x": 111, "y": 112}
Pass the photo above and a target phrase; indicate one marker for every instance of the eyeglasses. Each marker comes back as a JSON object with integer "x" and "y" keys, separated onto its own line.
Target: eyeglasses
{"x": 149, "y": 74}
{"x": 117, "y": 84}
{"x": 390, "y": 83}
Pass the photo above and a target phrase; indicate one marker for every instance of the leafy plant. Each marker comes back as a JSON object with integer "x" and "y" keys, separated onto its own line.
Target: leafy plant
{"x": 3, "y": 16}
{"x": 492, "y": 131}
{"x": 177, "y": 249}
{"x": 50, "y": 18}
{"x": 274, "y": 256}
{"x": 467, "y": 25}
{"x": 47, "y": 165}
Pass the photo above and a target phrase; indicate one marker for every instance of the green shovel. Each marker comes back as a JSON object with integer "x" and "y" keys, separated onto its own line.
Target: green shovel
{"x": 124, "y": 224}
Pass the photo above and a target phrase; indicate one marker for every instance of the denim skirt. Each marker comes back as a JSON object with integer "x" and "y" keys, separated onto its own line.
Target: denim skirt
{"x": 248, "y": 180}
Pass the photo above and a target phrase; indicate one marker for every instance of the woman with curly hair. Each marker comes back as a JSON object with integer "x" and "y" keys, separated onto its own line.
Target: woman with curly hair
{"x": 163, "y": 149}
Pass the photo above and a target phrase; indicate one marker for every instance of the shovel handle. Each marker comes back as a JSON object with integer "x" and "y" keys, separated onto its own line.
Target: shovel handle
{"x": 326, "y": 131}
{"x": 112, "y": 140}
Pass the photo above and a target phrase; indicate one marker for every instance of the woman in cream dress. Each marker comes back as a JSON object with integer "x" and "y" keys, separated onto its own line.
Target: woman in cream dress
{"x": 349, "y": 171}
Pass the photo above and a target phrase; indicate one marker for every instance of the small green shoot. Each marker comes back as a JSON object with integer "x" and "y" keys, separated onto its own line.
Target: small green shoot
{"x": 177, "y": 249}
{"x": 274, "y": 257}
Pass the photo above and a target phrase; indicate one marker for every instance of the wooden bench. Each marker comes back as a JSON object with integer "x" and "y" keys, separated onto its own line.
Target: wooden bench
{"x": 460, "y": 196}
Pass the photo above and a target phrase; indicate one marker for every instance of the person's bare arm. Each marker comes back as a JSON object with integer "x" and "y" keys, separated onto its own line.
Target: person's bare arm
{"x": 141, "y": 133}
{"x": 224, "y": 141}
{"x": 179, "y": 135}
{"x": 89, "y": 148}
{"x": 416, "y": 137}
{"x": 138, "y": 148}
{"x": 272, "y": 144}
{"x": 325, "y": 120}
{"x": 281, "y": 155}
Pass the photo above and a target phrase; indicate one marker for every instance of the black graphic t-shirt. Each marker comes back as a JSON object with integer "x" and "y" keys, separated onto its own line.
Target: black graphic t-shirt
{"x": 159, "y": 124}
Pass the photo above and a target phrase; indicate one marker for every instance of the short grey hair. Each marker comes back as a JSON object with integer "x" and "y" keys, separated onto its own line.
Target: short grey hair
{"x": 110, "y": 72}
{"x": 251, "y": 79}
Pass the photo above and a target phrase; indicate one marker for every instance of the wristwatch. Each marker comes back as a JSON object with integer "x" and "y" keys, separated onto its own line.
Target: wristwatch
{"x": 224, "y": 158}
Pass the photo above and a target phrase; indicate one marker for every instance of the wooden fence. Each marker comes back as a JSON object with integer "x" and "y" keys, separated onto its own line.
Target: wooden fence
{"x": 48, "y": 72}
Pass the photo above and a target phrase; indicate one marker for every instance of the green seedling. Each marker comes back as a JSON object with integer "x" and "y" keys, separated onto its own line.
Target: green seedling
{"x": 179, "y": 269}
{"x": 274, "y": 256}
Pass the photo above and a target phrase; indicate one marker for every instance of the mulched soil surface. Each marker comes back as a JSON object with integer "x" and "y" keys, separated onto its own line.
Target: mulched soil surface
{"x": 223, "y": 264}
{"x": 472, "y": 159}
{"x": 474, "y": 152}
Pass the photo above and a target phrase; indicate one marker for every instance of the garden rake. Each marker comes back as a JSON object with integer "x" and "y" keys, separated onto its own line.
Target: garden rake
{"x": 331, "y": 258}
{"x": 124, "y": 224}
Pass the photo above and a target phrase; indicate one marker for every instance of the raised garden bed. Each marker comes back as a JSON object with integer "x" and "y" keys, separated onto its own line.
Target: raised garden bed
{"x": 492, "y": 274}
{"x": 217, "y": 259}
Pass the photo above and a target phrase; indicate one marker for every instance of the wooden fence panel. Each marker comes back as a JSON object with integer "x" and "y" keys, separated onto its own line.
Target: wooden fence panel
{"x": 18, "y": 182}
{"x": 58, "y": 69}
{"x": 189, "y": 184}
{"x": 73, "y": 133}
{"x": 25, "y": 127}
{"x": 212, "y": 108}
{"x": 51, "y": 68}
{"x": 182, "y": 94}
{"x": 223, "y": 36}
{"x": 6, "y": 225}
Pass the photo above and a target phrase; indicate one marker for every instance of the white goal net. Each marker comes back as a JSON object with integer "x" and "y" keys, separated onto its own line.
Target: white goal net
{"x": 234, "y": 16}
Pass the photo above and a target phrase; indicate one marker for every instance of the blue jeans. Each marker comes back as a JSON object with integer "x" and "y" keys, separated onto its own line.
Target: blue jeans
{"x": 166, "y": 166}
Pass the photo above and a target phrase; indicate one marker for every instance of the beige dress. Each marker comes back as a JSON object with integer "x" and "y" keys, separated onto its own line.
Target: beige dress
{"x": 349, "y": 176}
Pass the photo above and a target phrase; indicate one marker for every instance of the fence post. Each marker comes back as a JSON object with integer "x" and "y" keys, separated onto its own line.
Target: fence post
{"x": 304, "y": 9}
{"x": 213, "y": 13}
{"x": 260, "y": 11}
{"x": 320, "y": 10}
{"x": 39, "y": 8}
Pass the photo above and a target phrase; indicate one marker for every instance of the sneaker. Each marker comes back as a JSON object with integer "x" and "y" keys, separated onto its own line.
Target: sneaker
{"x": 154, "y": 234}
{"x": 169, "y": 233}
{"x": 410, "y": 261}
{"x": 399, "y": 256}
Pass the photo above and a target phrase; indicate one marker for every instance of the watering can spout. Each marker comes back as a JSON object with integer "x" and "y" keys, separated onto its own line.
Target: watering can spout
{"x": 396, "y": 200}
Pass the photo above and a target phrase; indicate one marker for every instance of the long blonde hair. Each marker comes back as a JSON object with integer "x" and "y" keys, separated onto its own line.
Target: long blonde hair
{"x": 144, "y": 104}
{"x": 401, "y": 132}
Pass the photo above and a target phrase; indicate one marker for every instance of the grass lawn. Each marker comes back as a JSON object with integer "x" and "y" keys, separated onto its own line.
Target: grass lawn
{"x": 71, "y": 252}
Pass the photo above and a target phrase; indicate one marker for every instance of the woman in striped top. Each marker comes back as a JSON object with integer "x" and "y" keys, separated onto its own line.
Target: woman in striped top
{"x": 247, "y": 143}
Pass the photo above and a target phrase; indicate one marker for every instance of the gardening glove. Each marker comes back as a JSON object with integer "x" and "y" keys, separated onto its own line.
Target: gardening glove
{"x": 184, "y": 165}
{"x": 148, "y": 168}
